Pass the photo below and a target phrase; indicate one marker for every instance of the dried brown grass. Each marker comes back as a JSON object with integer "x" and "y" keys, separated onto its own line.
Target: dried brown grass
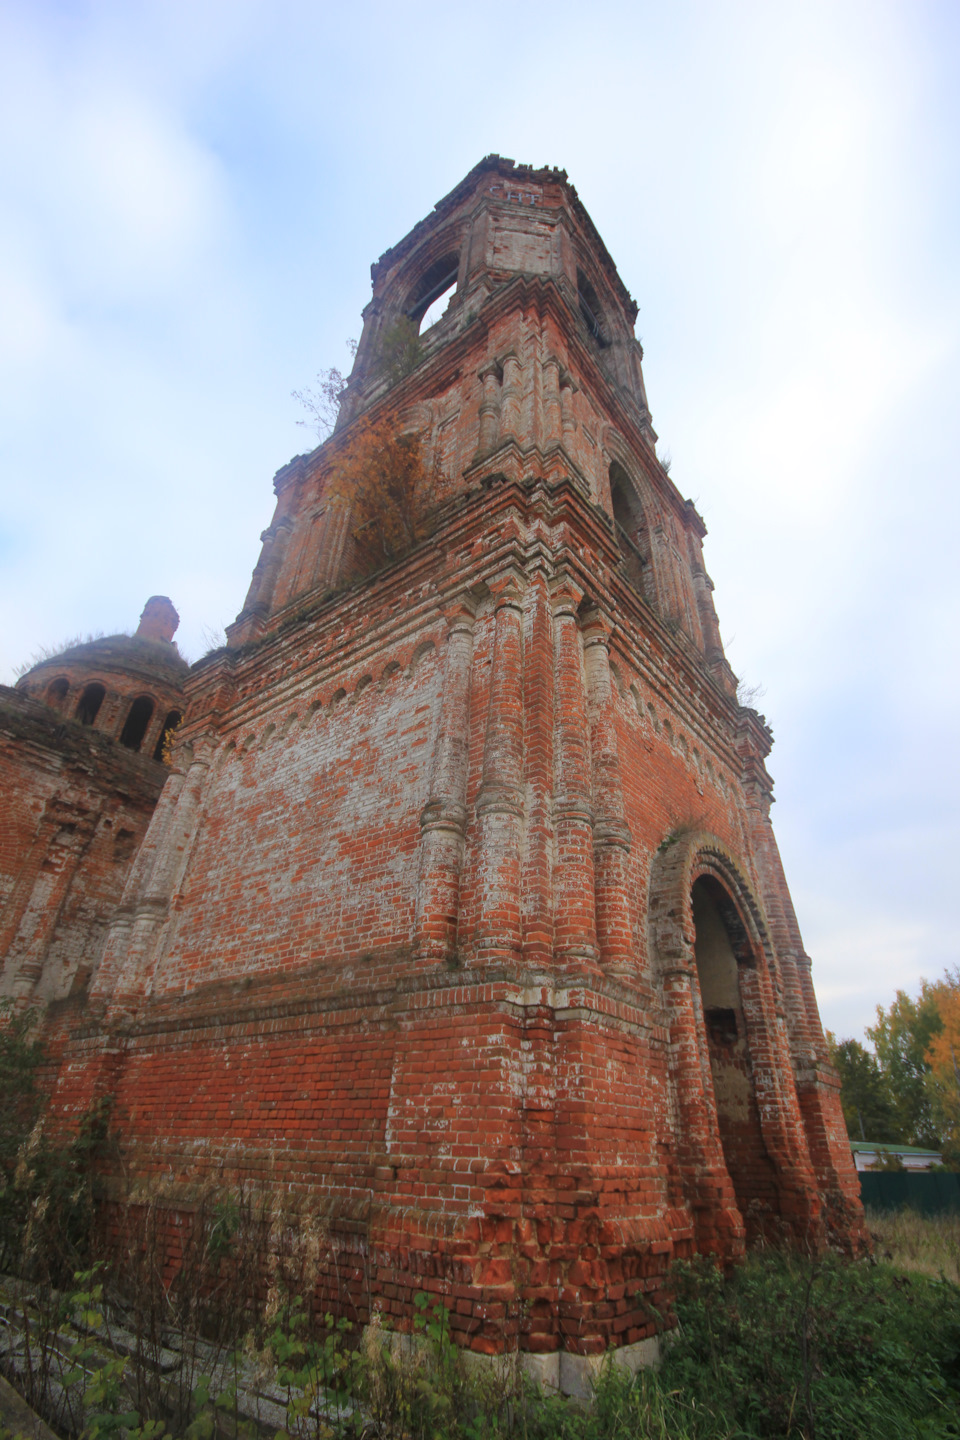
{"x": 925, "y": 1244}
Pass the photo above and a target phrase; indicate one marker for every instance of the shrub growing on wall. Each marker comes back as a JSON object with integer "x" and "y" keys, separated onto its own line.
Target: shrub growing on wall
{"x": 390, "y": 486}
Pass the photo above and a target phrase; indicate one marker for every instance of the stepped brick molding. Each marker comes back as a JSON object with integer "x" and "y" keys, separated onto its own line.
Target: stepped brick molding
{"x": 460, "y": 911}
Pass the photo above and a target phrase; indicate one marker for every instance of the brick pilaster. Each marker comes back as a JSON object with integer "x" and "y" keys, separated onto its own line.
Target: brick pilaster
{"x": 443, "y": 818}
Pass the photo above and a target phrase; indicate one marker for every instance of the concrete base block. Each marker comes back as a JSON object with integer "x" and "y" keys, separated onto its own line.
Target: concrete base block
{"x": 642, "y": 1355}
{"x": 543, "y": 1370}
{"x": 572, "y": 1375}
{"x": 576, "y": 1375}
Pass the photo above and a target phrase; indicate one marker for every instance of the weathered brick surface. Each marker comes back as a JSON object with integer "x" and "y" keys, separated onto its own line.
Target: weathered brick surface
{"x": 412, "y": 932}
{"x": 75, "y": 810}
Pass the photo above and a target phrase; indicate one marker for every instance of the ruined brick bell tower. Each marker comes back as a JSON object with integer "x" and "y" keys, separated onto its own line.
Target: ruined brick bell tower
{"x": 462, "y": 909}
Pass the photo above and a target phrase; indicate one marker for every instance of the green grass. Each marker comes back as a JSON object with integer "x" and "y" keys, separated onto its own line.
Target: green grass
{"x": 789, "y": 1347}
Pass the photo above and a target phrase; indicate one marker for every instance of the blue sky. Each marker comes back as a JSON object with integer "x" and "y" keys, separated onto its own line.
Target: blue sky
{"x": 192, "y": 195}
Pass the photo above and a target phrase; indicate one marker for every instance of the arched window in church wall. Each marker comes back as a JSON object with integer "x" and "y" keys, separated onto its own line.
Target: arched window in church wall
{"x": 135, "y": 725}
{"x": 633, "y": 535}
{"x": 88, "y": 706}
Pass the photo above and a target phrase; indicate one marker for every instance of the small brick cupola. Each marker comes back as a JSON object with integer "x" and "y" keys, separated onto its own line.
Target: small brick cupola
{"x": 126, "y": 687}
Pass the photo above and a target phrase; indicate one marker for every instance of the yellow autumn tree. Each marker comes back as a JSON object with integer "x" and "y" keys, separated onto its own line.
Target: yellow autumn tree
{"x": 943, "y": 1058}
{"x": 390, "y": 486}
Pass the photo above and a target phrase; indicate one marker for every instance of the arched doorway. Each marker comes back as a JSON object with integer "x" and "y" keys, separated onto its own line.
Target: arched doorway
{"x": 722, "y": 952}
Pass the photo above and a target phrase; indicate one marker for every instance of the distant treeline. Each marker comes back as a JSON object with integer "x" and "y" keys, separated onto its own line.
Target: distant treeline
{"x": 907, "y": 1089}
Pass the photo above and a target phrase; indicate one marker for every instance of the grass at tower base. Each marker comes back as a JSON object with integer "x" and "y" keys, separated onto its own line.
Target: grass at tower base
{"x": 786, "y": 1345}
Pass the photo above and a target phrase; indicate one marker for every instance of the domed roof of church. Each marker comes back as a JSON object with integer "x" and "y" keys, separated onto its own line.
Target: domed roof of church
{"x": 125, "y": 654}
{"x": 150, "y": 654}
{"x": 129, "y": 687}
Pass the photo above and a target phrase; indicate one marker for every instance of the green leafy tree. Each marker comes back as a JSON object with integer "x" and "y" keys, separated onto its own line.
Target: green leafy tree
{"x": 400, "y": 349}
{"x": 902, "y": 1037}
{"x": 868, "y": 1105}
{"x": 943, "y": 1060}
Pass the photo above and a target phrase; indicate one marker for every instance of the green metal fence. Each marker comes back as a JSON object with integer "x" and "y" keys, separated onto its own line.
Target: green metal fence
{"x": 929, "y": 1192}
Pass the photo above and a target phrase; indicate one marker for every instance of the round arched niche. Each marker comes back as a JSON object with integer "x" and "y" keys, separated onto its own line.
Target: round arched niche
{"x": 680, "y": 861}
{"x": 708, "y": 931}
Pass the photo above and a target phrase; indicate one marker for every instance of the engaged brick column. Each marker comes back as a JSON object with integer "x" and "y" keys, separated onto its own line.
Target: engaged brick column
{"x": 275, "y": 539}
{"x": 777, "y": 1101}
{"x": 510, "y": 397}
{"x": 538, "y": 742}
{"x": 575, "y": 936}
{"x": 816, "y": 1085}
{"x": 443, "y": 819}
{"x": 38, "y": 917}
{"x": 568, "y": 388}
{"x": 611, "y": 833}
{"x": 718, "y": 1225}
{"x": 119, "y": 932}
{"x": 131, "y": 952}
{"x": 552, "y": 414}
{"x": 499, "y": 804}
{"x": 489, "y": 407}
{"x": 20, "y": 895}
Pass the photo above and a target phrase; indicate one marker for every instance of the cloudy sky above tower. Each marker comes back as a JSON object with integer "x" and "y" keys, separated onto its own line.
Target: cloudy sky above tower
{"x": 192, "y": 194}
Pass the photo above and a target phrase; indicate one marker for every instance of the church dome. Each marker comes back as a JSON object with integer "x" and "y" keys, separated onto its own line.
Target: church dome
{"x": 128, "y": 687}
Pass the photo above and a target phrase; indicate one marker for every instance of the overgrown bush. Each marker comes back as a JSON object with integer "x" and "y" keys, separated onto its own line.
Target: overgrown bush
{"x": 46, "y": 1182}
{"x": 798, "y": 1347}
{"x": 401, "y": 349}
{"x": 390, "y": 486}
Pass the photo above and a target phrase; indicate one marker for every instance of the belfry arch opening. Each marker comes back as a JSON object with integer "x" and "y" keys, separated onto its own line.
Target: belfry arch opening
{"x": 434, "y": 291}
{"x": 723, "y": 955}
{"x": 633, "y": 537}
{"x": 590, "y": 310}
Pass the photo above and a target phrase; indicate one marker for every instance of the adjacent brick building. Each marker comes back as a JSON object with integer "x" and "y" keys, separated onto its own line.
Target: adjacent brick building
{"x": 461, "y": 910}
{"x": 82, "y": 738}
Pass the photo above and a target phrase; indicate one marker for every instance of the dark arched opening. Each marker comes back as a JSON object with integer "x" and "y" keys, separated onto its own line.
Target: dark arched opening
{"x": 88, "y": 706}
{"x": 169, "y": 725}
{"x": 590, "y": 310}
{"x": 57, "y": 692}
{"x": 723, "y": 952}
{"x": 437, "y": 283}
{"x": 135, "y": 725}
{"x": 632, "y": 534}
